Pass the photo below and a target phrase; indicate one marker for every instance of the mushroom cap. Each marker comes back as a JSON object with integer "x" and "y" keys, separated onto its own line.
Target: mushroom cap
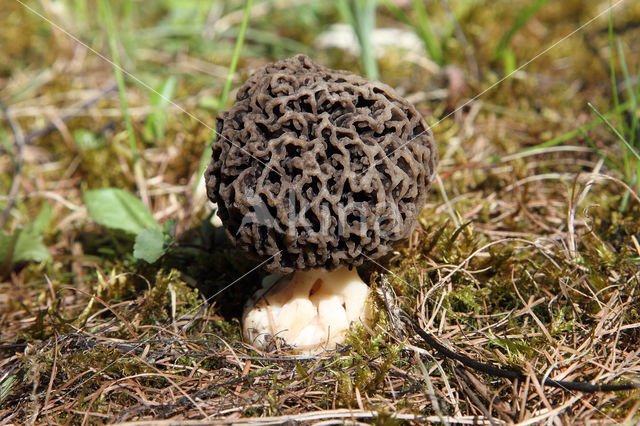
{"x": 319, "y": 168}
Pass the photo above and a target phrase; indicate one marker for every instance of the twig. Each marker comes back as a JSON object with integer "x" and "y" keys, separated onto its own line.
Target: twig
{"x": 473, "y": 395}
{"x": 507, "y": 373}
{"x": 315, "y": 416}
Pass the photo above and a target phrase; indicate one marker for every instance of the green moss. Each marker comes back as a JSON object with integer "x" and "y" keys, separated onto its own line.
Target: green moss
{"x": 517, "y": 350}
{"x": 466, "y": 299}
{"x": 561, "y": 322}
{"x": 169, "y": 292}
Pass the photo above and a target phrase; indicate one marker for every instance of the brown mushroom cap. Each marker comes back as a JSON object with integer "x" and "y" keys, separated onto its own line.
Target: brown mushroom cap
{"x": 312, "y": 167}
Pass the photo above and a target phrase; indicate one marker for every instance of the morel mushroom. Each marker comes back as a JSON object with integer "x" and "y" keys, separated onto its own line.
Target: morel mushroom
{"x": 315, "y": 171}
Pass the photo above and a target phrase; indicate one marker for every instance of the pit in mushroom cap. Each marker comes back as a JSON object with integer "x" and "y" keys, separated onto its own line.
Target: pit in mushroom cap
{"x": 316, "y": 168}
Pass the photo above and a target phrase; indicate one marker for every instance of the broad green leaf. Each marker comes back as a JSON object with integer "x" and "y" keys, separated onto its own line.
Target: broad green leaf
{"x": 25, "y": 243}
{"x": 6, "y": 249}
{"x": 42, "y": 221}
{"x": 28, "y": 246}
{"x": 149, "y": 245}
{"x": 115, "y": 208}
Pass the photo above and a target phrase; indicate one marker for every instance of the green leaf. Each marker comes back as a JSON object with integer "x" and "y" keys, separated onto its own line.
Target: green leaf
{"x": 25, "y": 243}
{"x": 28, "y": 246}
{"x": 115, "y": 208}
{"x": 42, "y": 221}
{"x": 7, "y": 248}
{"x": 149, "y": 245}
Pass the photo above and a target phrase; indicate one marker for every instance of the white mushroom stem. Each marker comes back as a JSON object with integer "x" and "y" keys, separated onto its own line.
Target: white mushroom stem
{"x": 309, "y": 310}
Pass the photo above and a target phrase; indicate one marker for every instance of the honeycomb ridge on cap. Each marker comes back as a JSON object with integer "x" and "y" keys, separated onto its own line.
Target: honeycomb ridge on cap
{"x": 318, "y": 168}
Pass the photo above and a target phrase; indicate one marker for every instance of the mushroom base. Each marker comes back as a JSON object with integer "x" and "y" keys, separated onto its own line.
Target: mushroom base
{"x": 309, "y": 311}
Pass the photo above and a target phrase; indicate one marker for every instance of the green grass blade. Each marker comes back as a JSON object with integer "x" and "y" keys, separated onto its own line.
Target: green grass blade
{"x": 397, "y": 12}
{"x": 206, "y": 154}
{"x": 614, "y": 83}
{"x": 521, "y": 19}
{"x": 361, "y": 15}
{"x": 573, "y": 133}
{"x": 634, "y": 126}
{"x": 612, "y": 61}
{"x": 160, "y": 99}
{"x": 422, "y": 28}
{"x": 615, "y": 131}
{"x": 346, "y": 13}
{"x": 598, "y": 152}
{"x": 631, "y": 94}
{"x": 7, "y": 385}
{"x": 6, "y": 142}
{"x": 634, "y": 109}
{"x": 633, "y": 98}
{"x": 236, "y": 53}
{"x": 366, "y": 24}
{"x": 638, "y": 176}
{"x": 107, "y": 18}
{"x": 80, "y": 8}
{"x": 426, "y": 32}
{"x": 34, "y": 83}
